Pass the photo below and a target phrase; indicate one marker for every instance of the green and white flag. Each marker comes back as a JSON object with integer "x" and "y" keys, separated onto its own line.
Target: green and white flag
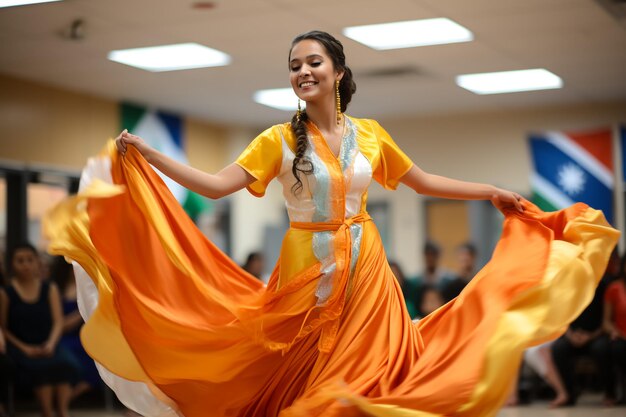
{"x": 163, "y": 131}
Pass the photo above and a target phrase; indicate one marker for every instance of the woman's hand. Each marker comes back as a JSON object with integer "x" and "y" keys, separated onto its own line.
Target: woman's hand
{"x": 504, "y": 200}
{"x": 124, "y": 139}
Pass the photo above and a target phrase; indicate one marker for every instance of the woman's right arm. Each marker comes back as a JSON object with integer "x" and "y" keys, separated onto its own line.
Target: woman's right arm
{"x": 227, "y": 181}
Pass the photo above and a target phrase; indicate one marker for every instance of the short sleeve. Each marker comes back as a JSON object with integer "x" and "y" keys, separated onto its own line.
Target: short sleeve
{"x": 393, "y": 163}
{"x": 262, "y": 159}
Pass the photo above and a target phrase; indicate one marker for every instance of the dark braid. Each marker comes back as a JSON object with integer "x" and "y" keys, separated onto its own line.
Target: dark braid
{"x": 347, "y": 88}
{"x": 300, "y": 163}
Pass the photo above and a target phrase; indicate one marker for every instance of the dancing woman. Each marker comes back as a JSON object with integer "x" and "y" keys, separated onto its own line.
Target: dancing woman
{"x": 187, "y": 332}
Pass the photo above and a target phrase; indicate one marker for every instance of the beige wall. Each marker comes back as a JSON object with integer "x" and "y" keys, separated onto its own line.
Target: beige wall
{"x": 47, "y": 125}
{"x": 207, "y": 145}
{"x": 492, "y": 146}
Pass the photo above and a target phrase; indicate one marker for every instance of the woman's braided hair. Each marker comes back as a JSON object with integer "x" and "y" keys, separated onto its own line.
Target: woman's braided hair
{"x": 347, "y": 87}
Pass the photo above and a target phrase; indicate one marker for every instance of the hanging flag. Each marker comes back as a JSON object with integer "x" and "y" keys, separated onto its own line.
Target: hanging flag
{"x": 570, "y": 167}
{"x": 164, "y": 132}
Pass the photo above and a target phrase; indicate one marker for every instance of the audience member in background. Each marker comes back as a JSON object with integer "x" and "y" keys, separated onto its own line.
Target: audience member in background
{"x": 466, "y": 259}
{"x": 433, "y": 274}
{"x": 7, "y": 373}
{"x": 431, "y": 300}
{"x": 615, "y": 320}
{"x": 255, "y": 264}
{"x": 409, "y": 289}
{"x": 585, "y": 336}
{"x": 32, "y": 321}
{"x": 62, "y": 274}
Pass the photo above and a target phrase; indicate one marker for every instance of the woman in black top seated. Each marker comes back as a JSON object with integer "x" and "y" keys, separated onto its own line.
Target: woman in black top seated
{"x": 32, "y": 320}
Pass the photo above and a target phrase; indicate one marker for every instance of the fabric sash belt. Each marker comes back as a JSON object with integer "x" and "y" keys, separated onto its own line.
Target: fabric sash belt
{"x": 332, "y": 307}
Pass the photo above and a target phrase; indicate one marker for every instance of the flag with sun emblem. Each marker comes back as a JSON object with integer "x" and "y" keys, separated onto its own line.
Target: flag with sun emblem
{"x": 164, "y": 132}
{"x": 570, "y": 167}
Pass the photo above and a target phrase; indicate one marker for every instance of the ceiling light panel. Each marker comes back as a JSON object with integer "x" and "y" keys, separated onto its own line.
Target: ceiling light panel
{"x": 171, "y": 57}
{"x": 277, "y": 98}
{"x": 11, "y": 3}
{"x": 409, "y": 34}
{"x": 510, "y": 81}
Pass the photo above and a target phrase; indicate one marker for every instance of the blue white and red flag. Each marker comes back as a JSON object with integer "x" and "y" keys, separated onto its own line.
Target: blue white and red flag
{"x": 570, "y": 167}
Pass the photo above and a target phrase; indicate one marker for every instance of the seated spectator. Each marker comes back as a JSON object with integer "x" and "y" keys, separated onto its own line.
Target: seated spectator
{"x": 7, "y": 373}
{"x": 255, "y": 264}
{"x": 408, "y": 287}
{"x": 585, "y": 336}
{"x": 466, "y": 259}
{"x": 615, "y": 320}
{"x": 433, "y": 273}
{"x": 431, "y": 300}
{"x": 31, "y": 318}
{"x": 62, "y": 274}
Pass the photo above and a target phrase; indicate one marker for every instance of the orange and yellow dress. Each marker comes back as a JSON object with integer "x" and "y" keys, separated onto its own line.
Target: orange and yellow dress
{"x": 178, "y": 329}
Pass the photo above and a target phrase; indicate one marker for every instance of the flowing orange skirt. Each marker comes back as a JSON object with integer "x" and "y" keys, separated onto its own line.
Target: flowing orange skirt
{"x": 177, "y": 328}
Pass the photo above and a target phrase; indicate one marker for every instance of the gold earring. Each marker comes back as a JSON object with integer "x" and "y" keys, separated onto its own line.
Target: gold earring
{"x": 338, "y": 102}
{"x": 299, "y": 112}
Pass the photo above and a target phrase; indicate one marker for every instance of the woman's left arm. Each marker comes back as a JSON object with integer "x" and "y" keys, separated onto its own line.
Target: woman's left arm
{"x": 56, "y": 310}
{"x": 438, "y": 186}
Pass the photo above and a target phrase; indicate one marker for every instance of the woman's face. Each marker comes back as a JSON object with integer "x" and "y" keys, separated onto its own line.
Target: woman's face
{"x": 311, "y": 71}
{"x": 25, "y": 263}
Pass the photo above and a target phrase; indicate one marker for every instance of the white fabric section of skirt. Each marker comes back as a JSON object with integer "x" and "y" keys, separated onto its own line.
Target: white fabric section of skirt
{"x": 134, "y": 395}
